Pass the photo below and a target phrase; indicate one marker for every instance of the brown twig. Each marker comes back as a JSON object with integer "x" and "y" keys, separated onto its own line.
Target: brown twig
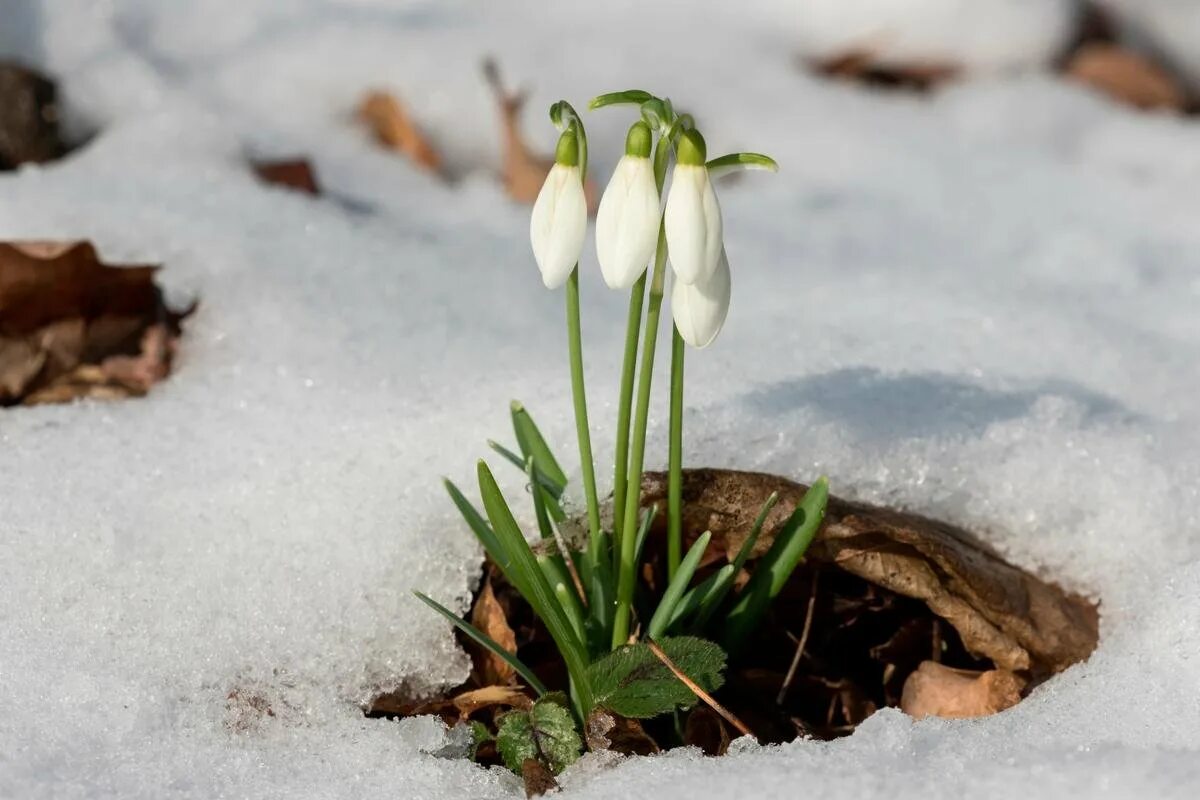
{"x": 808, "y": 618}
{"x": 703, "y": 695}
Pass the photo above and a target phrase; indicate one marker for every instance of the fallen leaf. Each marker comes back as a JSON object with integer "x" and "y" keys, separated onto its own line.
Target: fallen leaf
{"x": 865, "y": 66}
{"x": 523, "y": 171}
{"x": 72, "y": 326}
{"x": 1126, "y": 76}
{"x": 538, "y": 778}
{"x": 605, "y": 730}
{"x": 488, "y": 616}
{"x": 941, "y": 691}
{"x": 290, "y": 173}
{"x": 28, "y": 118}
{"x": 473, "y": 700}
{"x": 705, "y": 729}
{"x": 394, "y": 128}
{"x": 1002, "y": 613}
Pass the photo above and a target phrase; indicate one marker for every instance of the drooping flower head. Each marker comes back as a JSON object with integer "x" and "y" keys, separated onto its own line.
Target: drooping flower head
{"x": 559, "y": 220}
{"x": 627, "y": 220}
{"x": 699, "y": 309}
{"x": 693, "y": 215}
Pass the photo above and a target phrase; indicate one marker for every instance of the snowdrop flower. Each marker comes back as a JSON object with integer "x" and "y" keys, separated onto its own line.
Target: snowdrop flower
{"x": 699, "y": 308}
{"x": 559, "y": 220}
{"x": 627, "y": 220}
{"x": 692, "y": 216}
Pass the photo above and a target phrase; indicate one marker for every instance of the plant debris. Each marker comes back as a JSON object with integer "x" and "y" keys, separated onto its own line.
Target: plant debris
{"x": 290, "y": 173}
{"x": 488, "y": 616}
{"x": 864, "y": 66}
{"x": 1126, "y": 76}
{"x": 941, "y": 691}
{"x": 72, "y": 326}
{"x": 394, "y": 128}
{"x": 29, "y": 131}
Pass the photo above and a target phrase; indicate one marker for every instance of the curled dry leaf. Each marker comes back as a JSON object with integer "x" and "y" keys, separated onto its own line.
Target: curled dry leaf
{"x": 394, "y": 128}
{"x": 1002, "y": 613}
{"x": 488, "y": 616}
{"x": 72, "y": 326}
{"x": 1126, "y": 76}
{"x": 705, "y": 729}
{"x": 290, "y": 173}
{"x": 865, "y": 66}
{"x": 605, "y": 730}
{"x": 457, "y": 708}
{"x": 28, "y": 118}
{"x": 538, "y": 778}
{"x": 523, "y": 171}
{"x": 938, "y": 690}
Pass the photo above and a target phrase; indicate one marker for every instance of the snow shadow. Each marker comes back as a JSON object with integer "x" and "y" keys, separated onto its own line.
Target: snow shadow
{"x": 877, "y": 405}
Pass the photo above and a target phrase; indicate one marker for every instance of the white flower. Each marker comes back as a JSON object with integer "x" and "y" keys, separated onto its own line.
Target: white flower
{"x": 559, "y": 221}
{"x": 699, "y": 309}
{"x": 627, "y": 222}
{"x": 693, "y": 215}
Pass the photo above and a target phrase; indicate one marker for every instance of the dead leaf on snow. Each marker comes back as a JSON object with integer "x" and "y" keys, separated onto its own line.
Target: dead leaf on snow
{"x": 393, "y": 127}
{"x": 523, "y": 171}
{"x": 28, "y": 118}
{"x": 864, "y": 66}
{"x": 941, "y": 691}
{"x": 290, "y": 173}
{"x": 72, "y": 326}
{"x": 605, "y": 730}
{"x": 538, "y": 778}
{"x": 1126, "y": 76}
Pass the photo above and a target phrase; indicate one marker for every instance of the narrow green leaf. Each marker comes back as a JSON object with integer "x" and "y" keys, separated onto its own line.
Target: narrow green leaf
{"x": 550, "y": 486}
{"x": 539, "y": 503}
{"x": 479, "y": 526}
{"x": 632, "y": 682}
{"x": 634, "y": 96}
{"x": 777, "y": 564}
{"x": 643, "y": 533}
{"x": 739, "y": 161}
{"x": 532, "y": 443}
{"x": 677, "y": 586}
{"x": 537, "y": 590}
{"x": 486, "y": 641}
{"x": 695, "y": 598}
{"x": 711, "y": 603}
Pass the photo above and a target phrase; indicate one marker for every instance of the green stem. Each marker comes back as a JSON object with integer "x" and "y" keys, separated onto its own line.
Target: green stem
{"x": 575, "y": 345}
{"x": 625, "y": 406}
{"x": 675, "y": 459}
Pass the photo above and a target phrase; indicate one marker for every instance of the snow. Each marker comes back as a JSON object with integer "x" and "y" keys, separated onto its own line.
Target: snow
{"x": 980, "y": 305}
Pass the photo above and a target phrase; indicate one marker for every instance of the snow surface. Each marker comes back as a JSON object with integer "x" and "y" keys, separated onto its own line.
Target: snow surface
{"x": 981, "y": 305}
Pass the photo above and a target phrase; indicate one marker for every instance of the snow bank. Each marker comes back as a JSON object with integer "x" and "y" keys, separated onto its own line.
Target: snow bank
{"x": 981, "y": 306}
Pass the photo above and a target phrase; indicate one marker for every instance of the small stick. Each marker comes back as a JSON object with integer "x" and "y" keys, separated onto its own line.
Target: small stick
{"x": 808, "y": 618}
{"x": 703, "y": 695}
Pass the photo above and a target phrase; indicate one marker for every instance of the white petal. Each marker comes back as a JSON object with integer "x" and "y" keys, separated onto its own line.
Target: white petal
{"x": 627, "y": 223}
{"x": 699, "y": 309}
{"x": 558, "y": 225}
{"x": 693, "y": 222}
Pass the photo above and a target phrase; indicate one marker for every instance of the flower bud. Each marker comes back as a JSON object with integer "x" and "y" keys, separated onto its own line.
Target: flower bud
{"x": 559, "y": 221}
{"x": 699, "y": 309}
{"x": 692, "y": 216}
{"x": 627, "y": 220}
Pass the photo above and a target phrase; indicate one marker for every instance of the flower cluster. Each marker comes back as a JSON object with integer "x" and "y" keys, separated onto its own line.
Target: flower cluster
{"x": 628, "y": 225}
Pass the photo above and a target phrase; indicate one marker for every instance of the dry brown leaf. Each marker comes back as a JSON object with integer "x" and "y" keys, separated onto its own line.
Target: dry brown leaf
{"x": 290, "y": 173}
{"x": 1017, "y": 620}
{"x": 865, "y": 66}
{"x": 28, "y": 118}
{"x": 488, "y": 616}
{"x": 605, "y": 730}
{"x": 394, "y": 128}
{"x": 72, "y": 326}
{"x": 1126, "y": 76}
{"x": 538, "y": 778}
{"x": 941, "y": 691}
{"x": 523, "y": 171}
{"x": 705, "y": 729}
{"x": 471, "y": 701}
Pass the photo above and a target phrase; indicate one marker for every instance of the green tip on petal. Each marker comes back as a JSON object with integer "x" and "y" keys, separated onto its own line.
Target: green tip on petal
{"x": 691, "y": 150}
{"x": 638, "y": 140}
{"x": 567, "y": 152}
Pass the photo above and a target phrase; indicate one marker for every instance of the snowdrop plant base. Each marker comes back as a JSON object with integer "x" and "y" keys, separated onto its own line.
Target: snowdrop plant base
{"x": 659, "y": 656}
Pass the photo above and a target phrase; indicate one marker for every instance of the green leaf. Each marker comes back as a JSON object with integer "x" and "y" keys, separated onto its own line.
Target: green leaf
{"x": 777, "y": 564}
{"x": 634, "y": 96}
{"x": 479, "y": 735}
{"x": 550, "y": 486}
{"x": 643, "y": 533}
{"x": 532, "y": 443}
{"x": 546, "y": 733}
{"x": 485, "y": 640}
{"x": 539, "y": 503}
{"x": 479, "y": 526}
{"x": 532, "y": 584}
{"x": 699, "y": 596}
{"x": 633, "y": 682}
{"x": 713, "y": 601}
{"x": 677, "y": 586}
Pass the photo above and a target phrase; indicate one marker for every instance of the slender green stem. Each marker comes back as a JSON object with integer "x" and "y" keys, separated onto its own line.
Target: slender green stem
{"x": 675, "y": 459}
{"x": 575, "y": 345}
{"x": 625, "y": 406}
{"x": 633, "y": 491}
